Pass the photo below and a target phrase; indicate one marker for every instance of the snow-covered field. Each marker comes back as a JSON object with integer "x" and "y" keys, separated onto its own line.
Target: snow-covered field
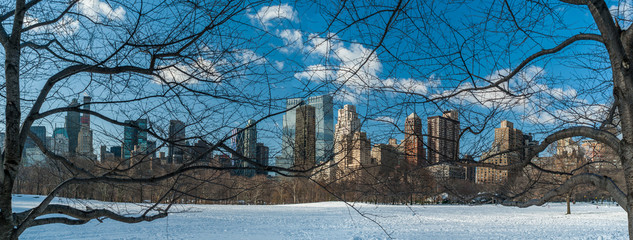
{"x": 335, "y": 220}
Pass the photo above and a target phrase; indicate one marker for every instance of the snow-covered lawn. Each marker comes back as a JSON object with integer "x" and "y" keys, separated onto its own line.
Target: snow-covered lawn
{"x": 335, "y": 220}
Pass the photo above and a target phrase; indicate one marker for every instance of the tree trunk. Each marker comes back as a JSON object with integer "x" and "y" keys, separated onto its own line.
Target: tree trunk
{"x": 568, "y": 207}
{"x": 13, "y": 143}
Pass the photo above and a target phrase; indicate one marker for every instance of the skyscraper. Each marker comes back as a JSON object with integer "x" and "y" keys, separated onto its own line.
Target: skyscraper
{"x": 31, "y": 152}
{"x": 249, "y": 147}
{"x": 72, "y": 126}
{"x": 60, "y": 141}
{"x": 507, "y": 148}
{"x": 305, "y": 138}
{"x": 262, "y": 157}
{"x": 134, "y": 136}
{"x": 288, "y": 133}
{"x": 40, "y": 133}
{"x": 413, "y": 141}
{"x": 348, "y": 121}
{"x": 84, "y": 137}
{"x": 443, "y": 137}
{"x": 85, "y": 117}
{"x": 352, "y": 148}
{"x": 116, "y": 150}
{"x": 250, "y": 140}
{"x": 324, "y": 123}
{"x": 324, "y": 129}
{"x": 176, "y": 138}
{"x": 237, "y": 143}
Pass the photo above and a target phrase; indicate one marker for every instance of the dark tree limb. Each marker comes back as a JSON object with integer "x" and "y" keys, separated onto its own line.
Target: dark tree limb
{"x": 62, "y": 220}
{"x": 525, "y": 62}
{"x": 598, "y": 181}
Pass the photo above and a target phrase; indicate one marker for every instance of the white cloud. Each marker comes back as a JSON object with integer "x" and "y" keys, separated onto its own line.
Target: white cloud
{"x": 624, "y": 10}
{"x": 268, "y": 13}
{"x": 279, "y": 65}
{"x": 316, "y": 73}
{"x": 359, "y": 67}
{"x": 293, "y": 40}
{"x": 188, "y": 73}
{"x": 95, "y": 9}
{"x": 65, "y": 26}
{"x": 523, "y": 85}
{"x": 357, "y": 71}
{"x": 584, "y": 114}
{"x": 323, "y": 46}
{"x": 410, "y": 85}
{"x": 247, "y": 56}
{"x": 385, "y": 119}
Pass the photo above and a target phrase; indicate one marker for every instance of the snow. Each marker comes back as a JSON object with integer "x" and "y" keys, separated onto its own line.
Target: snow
{"x": 336, "y": 220}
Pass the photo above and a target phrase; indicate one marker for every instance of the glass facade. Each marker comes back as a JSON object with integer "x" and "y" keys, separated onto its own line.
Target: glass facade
{"x": 132, "y": 136}
{"x": 324, "y": 120}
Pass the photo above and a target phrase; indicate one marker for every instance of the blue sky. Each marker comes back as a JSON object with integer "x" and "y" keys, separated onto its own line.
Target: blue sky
{"x": 279, "y": 50}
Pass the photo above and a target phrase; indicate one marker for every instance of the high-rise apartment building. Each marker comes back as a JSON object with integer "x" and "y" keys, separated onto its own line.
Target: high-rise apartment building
{"x": 443, "y": 137}
{"x": 72, "y": 126}
{"x": 385, "y": 157}
{"x": 352, "y": 148}
{"x": 84, "y": 137}
{"x": 176, "y": 138}
{"x": 324, "y": 129}
{"x": 413, "y": 141}
{"x": 348, "y": 121}
{"x": 507, "y": 148}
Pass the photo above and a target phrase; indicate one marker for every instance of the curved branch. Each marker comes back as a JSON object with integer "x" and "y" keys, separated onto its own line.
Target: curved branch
{"x": 576, "y": 2}
{"x": 54, "y": 220}
{"x": 100, "y": 213}
{"x": 599, "y": 135}
{"x": 525, "y": 62}
{"x": 54, "y": 20}
{"x": 598, "y": 181}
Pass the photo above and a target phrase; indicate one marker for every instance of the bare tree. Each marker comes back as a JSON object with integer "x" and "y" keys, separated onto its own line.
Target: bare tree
{"x": 143, "y": 60}
{"x": 537, "y": 62}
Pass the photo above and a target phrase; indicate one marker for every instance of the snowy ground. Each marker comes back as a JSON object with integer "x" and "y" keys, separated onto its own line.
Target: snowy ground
{"x": 335, "y": 220}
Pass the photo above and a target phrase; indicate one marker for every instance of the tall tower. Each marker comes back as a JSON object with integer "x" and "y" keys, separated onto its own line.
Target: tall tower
{"x": 72, "y": 126}
{"x": 348, "y": 121}
{"x": 324, "y": 124}
{"x": 413, "y": 141}
{"x": 352, "y": 148}
{"x": 288, "y": 133}
{"x": 324, "y": 129}
{"x": 305, "y": 138}
{"x": 443, "y": 137}
{"x": 175, "y": 152}
{"x": 134, "y": 137}
{"x": 84, "y": 139}
{"x": 60, "y": 141}
{"x": 262, "y": 157}
{"x": 249, "y": 147}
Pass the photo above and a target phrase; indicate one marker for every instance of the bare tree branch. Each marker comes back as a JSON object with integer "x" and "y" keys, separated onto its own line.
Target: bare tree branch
{"x": 600, "y": 182}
